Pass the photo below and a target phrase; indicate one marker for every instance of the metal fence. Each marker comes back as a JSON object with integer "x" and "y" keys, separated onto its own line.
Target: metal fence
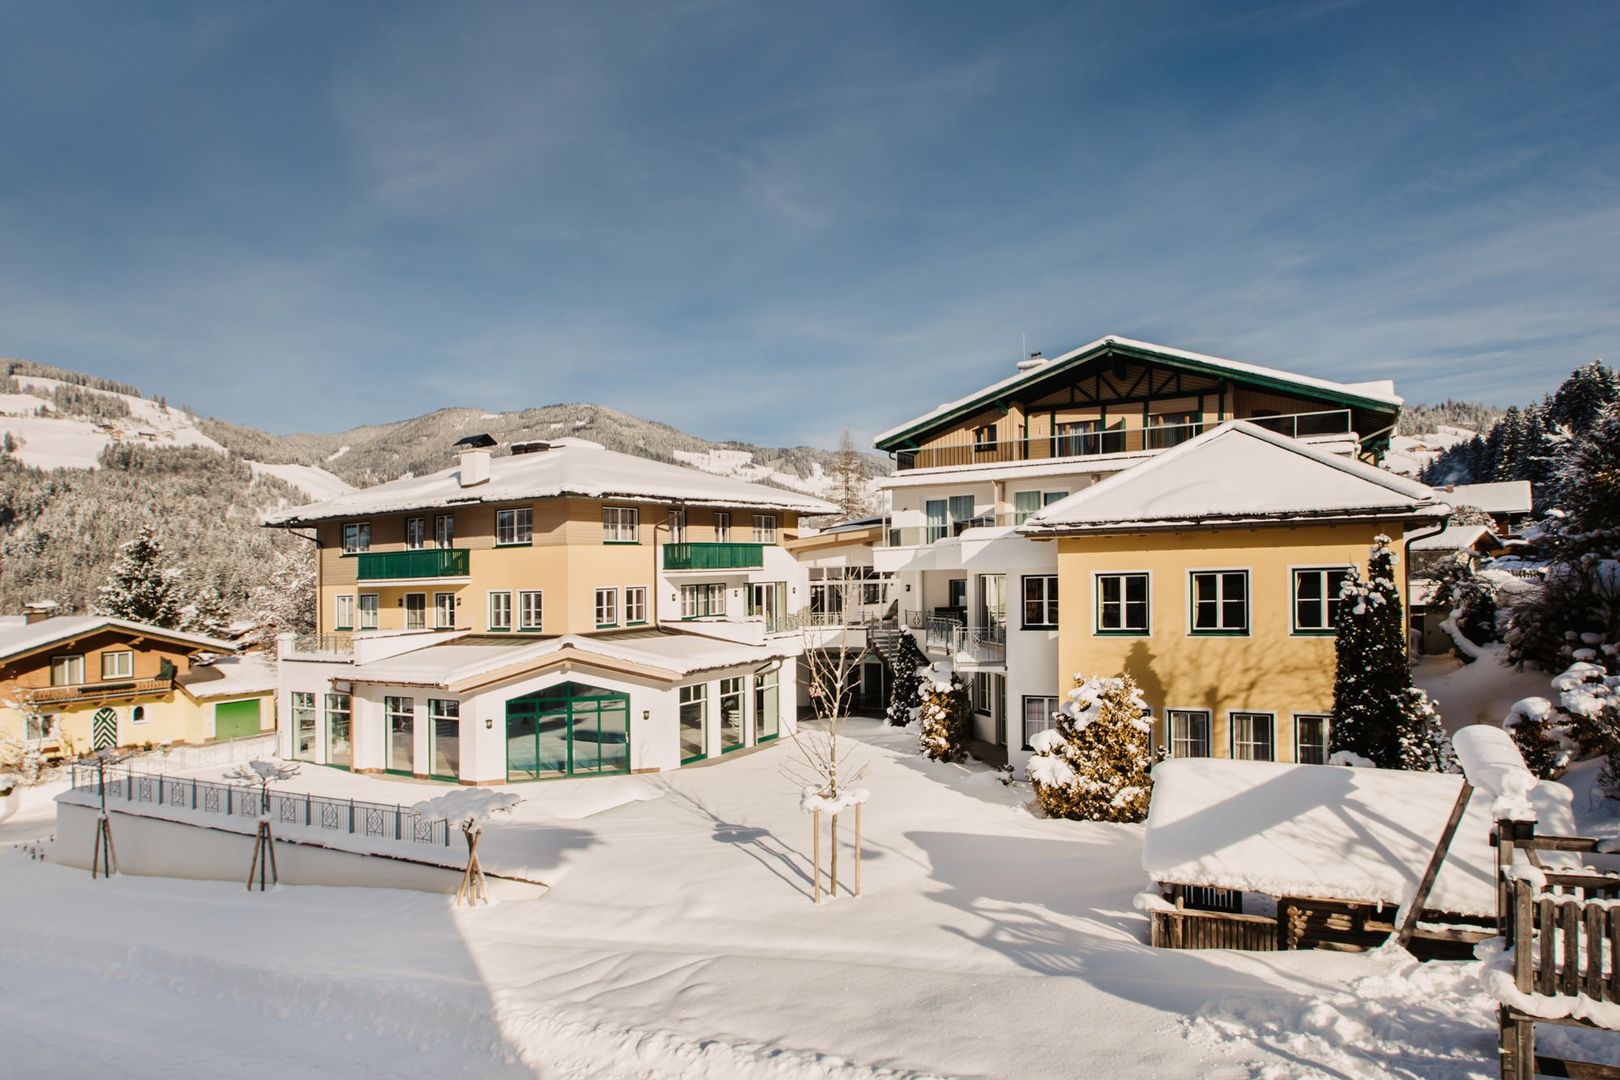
{"x": 374, "y": 820}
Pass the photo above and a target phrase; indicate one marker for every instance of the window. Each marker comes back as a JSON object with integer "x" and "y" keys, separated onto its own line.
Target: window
{"x": 38, "y": 729}
{"x": 1252, "y": 736}
{"x": 500, "y": 611}
{"x": 1040, "y": 601}
{"x": 339, "y": 745}
{"x": 118, "y": 665}
{"x": 956, "y": 593}
{"x": 981, "y": 692}
{"x": 984, "y": 439}
{"x": 621, "y": 525}
{"x": 1220, "y": 601}
{"x": 137, "y": 715}
{"x": 530, "y": 610}
{"x": 1038, "y": 712}
{"x": 401, "y": 746}
{"x": 939, "y": 519}
{"x": 722, "y": 527}
{"x": 1171, "y": 429}
{"x": 607, "y": 607}
{"x": 635, "y": 604}
{"x": 694, "y": 722}
{"x": 702, "y": 601}
{"x": 416, "y": 532}
{"x": 767, "y": 598}
{"x": 1316, "y": 598}
{"x": 415, "y": 611}
{"x": 731, "y": 714}
{"x": 514, "y": 526}
{"x": 1311, "y": 739}
{"x": 1050, "y": 497}
{"x": 764, "y": 528}
{"x": 444, "y": 530}
{"x": 1189, "y": 732}
{"x": 677, "y": 526}
{"x": 961, "y": 513}
{"x": 444, "y": 610}
{"x": 303, "y": 718}
{"x": 1027, "y": 503}
{"x": 1122, "y": 603}
{"x": 444, "y": 735}
{"x": 356, "y": 537}
{"x": 1075, "y": 438}
{"x": 368, "y": 611}
{"x": 765, "y": 707}
{"x": 343, "y": 615}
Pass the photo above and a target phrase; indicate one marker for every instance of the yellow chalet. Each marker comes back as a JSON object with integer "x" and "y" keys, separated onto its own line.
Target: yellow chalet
{"x": 73, "y": 683}
{"x": 1210, "y": 574}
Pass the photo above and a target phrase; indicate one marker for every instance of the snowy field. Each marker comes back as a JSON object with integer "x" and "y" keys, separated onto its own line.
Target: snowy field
{"x": 679, "y": 940}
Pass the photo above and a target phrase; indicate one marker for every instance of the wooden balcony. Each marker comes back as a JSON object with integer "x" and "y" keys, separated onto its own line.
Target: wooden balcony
{"x": 94, "y": 692}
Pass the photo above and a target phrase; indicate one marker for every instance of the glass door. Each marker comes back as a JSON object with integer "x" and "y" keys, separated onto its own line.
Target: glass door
{"x": 731, "y": 714}
{"x": 694, "y": 723}
{"x": 339, "y": 748}
{"x": 445, "y": 739}
{"x": 765, "y": 708}
{"x": 401, "y": 734}
{"x": 992, "y": 600}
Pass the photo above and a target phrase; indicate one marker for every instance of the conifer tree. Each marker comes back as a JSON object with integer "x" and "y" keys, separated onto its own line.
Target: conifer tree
{"x": 1377, "y": 713}
{"x": 142, "y": 585}
{"x": 850, "y": 475}
{"x": 945, "y": 713}
{"x": 1092, "y": 765}
{"x": 905, "y": 698}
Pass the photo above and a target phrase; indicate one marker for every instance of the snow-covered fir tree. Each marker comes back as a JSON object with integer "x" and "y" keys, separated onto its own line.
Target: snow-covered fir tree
{"x": 1589, "y": 697}
{"x": 206, "y": 612}
{"x": 1092, "y": 764}
{"x": 945, "y": 714}
{"x": 905, "y": 697}
{"x": 144, "y": 586}
{"x": 286, "y": 603}
{"x": 1377, "y": 713}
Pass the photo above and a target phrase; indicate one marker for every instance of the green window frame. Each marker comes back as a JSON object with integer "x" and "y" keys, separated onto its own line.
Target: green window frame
{"x": 1188, "y": 732}
{"x": 1315, "y": 596}
{"x": 531, "y": 610}
{"x": 1311, "y": 738}
{"x": 607, "y": 608}
{"x": 339, "y": 731}
{"x": 1039, "y": 715}
{"x": 500, "y": 610}
{"x": 1040, "y": 601}
{"x": 400, "y": 731}
{"x": 635, "y": 605}
{"x": 1218, "y": 602}
{"x": 694, "y": 722}
{"x": 444, "y": 738}
{"x": 1124, "y": 604}
{"x": 303, "y": 725}
{"x": 514, "y": 526}
{"x": 572, "y": 729}
{"x": 1252, "y": 735}
{"x": 733, "y": 716}
{"x": 767, "y": 707}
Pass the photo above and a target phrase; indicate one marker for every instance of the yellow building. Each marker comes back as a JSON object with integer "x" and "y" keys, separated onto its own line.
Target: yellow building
{"x": 1210, "y": 574}
{"x": 73, "y": 683}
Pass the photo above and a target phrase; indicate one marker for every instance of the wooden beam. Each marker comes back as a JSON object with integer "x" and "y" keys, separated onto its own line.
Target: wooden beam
{"x": 1404, "y": 936}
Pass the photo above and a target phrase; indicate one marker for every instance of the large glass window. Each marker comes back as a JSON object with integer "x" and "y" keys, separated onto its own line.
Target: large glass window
{"x": 444, "y": 720}
{"x": 621, "y": 524}
{"x": 400, "y": 715}
{"x": 500, "y": 611}
{"x": 1038, "y": 713}
{"x": 119, "y": 664}
{"x": 635, "y": 604}
{"x": 415, "y": 611}
{"x": 1025, "y": 505}
{"x": 514, "y": 526}
{"x": 766, "y": 716}
{"x": 343, "y": 612}
{"x": 767, "y": 598}
{"x": 356, "y": 537}
{"x": 1122, "y": 603}
{"x": 1316, "y": 598}
{"x": 444, "y": 610}
{"x": 694, "y": 722}
{"x": 1074, "y": 438}
{"x": 1171, "y": 429}
{"x": 939, "y": 519}
{"x": 368, "y": 611}
{"x": 702, "y": 601}
{"x": 530, "y": 610}
{"x": 416, "y": 532}
{"x": 444, "y": 530}
{"x": 607, "y": 608}
{"x": 339, "y": 742}
{"x": 571, "y": 729}
{"x": 731, "y": 714}
{"x": 764, "y": 528}
{"x": 1040, "y": 602}
{"x": 1189, "y": 732}
{"x": 1220, "y": 602}
{"x": 67, "y": 670}
{"x": 1311, "y": 739}
{"x": 1252, "y": 736}
{"x": 303, "y": 718}
{"x": 961, "y": 513}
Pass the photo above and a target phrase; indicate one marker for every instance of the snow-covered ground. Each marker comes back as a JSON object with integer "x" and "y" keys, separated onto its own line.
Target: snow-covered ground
{"x": 679, "y": 939}
{"x": 312, "y": 480}
{"x": 64, "y": 442}
{"x": 1477, "y": 693}
{"x": 741, "y": 464}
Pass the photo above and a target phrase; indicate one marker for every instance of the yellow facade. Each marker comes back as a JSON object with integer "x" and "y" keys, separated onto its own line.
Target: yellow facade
{"x": 567, "y": 559}
{"x": 1273, "y": 668}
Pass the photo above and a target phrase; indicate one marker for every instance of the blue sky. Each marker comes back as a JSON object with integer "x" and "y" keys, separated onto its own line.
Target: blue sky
{"x": 773, "y": 222}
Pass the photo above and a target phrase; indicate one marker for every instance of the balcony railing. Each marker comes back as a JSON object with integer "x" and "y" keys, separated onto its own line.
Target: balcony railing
{"x": 1092, "y": 443}
{"x": 944, "y": 633}
{"x": 714, "y": 556}
{"x": 413, "y": 564}
{"x": 919, "y": 535}
{"x": 107, "y": 690}
{"x": 324, "y": 644}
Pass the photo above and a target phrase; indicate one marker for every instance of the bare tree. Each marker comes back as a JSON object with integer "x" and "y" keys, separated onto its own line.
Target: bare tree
{"x": 264, "y": 850}
{"x": 469, "y": 808}
{"x": 849, "y": 471}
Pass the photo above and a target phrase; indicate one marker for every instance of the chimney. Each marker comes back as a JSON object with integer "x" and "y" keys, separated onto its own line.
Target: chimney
{"x": 475, "y": 454}
{"x": 1035, "y": 360}
{"x": 39, "y": 610}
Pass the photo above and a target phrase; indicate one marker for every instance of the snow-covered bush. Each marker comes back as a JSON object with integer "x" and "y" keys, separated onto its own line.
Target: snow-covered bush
{"x": 1590, "y": 697}
{"x": 1540, "y": 740}
{"x": 1471, "y": 599}
{"x": 945, "y": 713}
{"x": 1092, "y": 765}
{"x": 905, "y": 699}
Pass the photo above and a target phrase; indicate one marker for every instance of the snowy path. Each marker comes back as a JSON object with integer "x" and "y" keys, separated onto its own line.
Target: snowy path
{"x": 679, "y": 940}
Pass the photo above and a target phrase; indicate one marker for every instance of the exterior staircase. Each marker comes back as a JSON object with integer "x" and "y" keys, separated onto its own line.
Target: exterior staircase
{"x": 885, "y": 641}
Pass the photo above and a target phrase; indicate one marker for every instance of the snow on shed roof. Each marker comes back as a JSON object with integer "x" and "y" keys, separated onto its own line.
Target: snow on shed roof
{"x": 230, "y": 676}
{"x": 1327, "y": 831}
{"x": 17, "y": 640}
{"x": 1502, "y": 497}
{"x": 1371, "y": 393}
{"x": 569, "y": 467}
{"x": 1238, "y": 473}
{"x": 1455, "y": 538}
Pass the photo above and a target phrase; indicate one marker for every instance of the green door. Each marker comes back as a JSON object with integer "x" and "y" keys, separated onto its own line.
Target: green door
{"x": 236, "y": 719}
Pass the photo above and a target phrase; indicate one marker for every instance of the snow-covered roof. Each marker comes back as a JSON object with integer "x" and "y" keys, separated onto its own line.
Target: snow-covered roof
{"x": 18, "y": 640}
{"x": 569, "y": 467}
{"x": 1237, "y": 473}
{"x": 1327, "y": 831}
{"x": 1455, "y": 538}
{"x": 676, "y": 653}
{"x": 1373, "y": 394}
{"x": 230, "y": 676}
{"x": 1501, "y": 497}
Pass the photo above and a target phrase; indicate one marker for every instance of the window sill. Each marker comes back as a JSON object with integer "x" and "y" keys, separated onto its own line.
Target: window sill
{"x": 607, "y": 626}
{"x": 342, "y": 629}
{"x": 636, "y": 622}
{"x": 620, "y": 543}
{"x": 1217, "y": 633}
{"x": 514, "y": 543}
{"x": 531, "y": 630}
{"x": 500, "y": 630}
{"x": 1122, "y": 633}
{"x": 1312, "y": 633}
{"x": 1039, "y": 626}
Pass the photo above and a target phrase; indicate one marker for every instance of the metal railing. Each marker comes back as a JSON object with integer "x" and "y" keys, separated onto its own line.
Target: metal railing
{"x": 1074, "y": 443}
{"x": 324, "y": 644}
{"x": 922, "y": 535}
{"x": 106, "y": 690}
{"x": 411, "y": 564}
{"x": 374, "y": 820}
{"x": 728, "y": 556}
{"x": 982, "y": 644}
{"x": 804, "y": 620}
